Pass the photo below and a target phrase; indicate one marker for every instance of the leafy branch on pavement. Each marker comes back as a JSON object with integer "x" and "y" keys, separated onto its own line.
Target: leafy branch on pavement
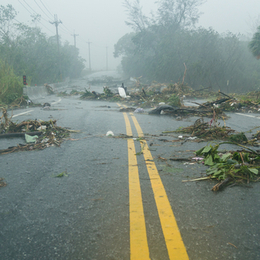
{"x": 230, "y": 167}
{"x": 62, "y": 174}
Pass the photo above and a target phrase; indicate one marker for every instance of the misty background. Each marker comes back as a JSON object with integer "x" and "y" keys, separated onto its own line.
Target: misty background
{"x": 102, "y": 22}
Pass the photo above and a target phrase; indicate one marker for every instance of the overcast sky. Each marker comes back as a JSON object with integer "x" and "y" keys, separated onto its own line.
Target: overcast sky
{"x": 102, "y": 22}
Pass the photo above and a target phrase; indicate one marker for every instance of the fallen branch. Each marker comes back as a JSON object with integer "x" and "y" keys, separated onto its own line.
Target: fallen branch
{"x": 199, "y": 179}
{"x": 221, "y": 184}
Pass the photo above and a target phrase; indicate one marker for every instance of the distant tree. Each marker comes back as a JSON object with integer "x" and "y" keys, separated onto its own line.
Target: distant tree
{"x": 124, "y": 46}
{"x": 170, "y": 13}
{"x": 178, "y": 13}
{"x": 136, "y": 19}
{"x": 7, "y": 15}
{"x": 254, "y": 44}
{"x": 159, "y": 47}
{"x": 30, "y": 52}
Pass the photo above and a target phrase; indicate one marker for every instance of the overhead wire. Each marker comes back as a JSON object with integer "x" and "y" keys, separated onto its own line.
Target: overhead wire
{"x": 63, "y": 28}
{"x": 35, "y": 11}
{"x": 43, "y": 10}
{"x": 46, "y": 8}
{"x": 32, "y": 14}
{"x": 66, "y": 28}
{"x": 25, "y": 7}
{"x": 62, "y": 25}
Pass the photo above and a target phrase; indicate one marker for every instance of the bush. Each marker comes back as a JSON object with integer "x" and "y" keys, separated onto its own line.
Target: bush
{"x": 174, "y": 101}
{"x": 11, "y": 86}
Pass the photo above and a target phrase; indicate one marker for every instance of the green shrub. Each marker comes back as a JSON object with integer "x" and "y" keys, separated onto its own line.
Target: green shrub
{"x": 174, "y": 101}
{"x": 11, "y": 86}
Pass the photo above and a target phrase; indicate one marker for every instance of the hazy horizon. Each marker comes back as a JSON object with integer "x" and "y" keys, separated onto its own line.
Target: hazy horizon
{"x": 103, "y": 22}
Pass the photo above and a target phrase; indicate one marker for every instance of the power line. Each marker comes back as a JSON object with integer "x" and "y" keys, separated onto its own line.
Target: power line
{"x": 25, "y": 7}
{"x": 46, "y": 8}
{"x": 42, "y": 10}
{"x": 66, "y": 28}
{"x": 32, "y": 13}
{"x": 64, "y": 31}
{"x": 35, "y": 12}
{"x": 69, "y": 31}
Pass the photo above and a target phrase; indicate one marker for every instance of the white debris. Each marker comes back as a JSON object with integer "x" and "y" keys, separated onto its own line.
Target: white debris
{"x": 192, "y": 138}
{"x": 109, "y": 133}
{"x": 121, "y": 92}
{"x": 42, "y": 127}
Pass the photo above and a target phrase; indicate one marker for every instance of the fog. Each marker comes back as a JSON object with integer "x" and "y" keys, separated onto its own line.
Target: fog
{"x": 102, "y": 22}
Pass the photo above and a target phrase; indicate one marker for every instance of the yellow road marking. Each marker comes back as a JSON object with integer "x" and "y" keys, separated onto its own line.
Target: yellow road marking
{"x": 138, "y": 239}
{"x": 175, "y": 246}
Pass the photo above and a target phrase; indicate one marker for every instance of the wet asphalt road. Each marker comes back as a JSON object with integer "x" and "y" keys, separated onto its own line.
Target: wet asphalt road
{"x": 85, "y": 215}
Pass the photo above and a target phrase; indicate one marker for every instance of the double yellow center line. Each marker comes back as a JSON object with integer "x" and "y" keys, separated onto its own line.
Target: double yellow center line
{"x": 138, "y": 237}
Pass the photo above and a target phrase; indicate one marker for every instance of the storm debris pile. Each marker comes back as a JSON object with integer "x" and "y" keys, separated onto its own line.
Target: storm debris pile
{"x": 210, "y": 131}
{"x": 188, "y": 111}
{"x": 241, "y": 106}
{"x": 232, "y": 167}
{"x": 73, "y": 92}
{"x": 48, "y": 133}
{"x": 106, "y": 95}
{"x": 49, "y": 89}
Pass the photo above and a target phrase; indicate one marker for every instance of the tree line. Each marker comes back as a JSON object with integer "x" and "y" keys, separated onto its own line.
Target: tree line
{"x": 163, "y": 46}
{"x": 31, "y": 52}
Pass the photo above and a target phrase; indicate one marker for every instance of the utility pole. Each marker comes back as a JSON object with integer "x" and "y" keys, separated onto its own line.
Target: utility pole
{"x": 107, "y": 58}
{"x": 89, "y": 60}
{"x": 75, "y": 35}
{"x": 56, "y": 23}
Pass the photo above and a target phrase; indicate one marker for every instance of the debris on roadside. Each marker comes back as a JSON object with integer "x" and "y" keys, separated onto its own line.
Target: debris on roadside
{"x": 127, "y": 109}
{"x": 21, "y": 101}
{"x": 122, "y": 91}
{"x": 49, "y": 89}
{"x": 49, "y": 135}
{"x": 123, "y": 136}
{"x": 209, "y": 131}
{"x": 230, "y": 167}
{"x": 2, "y": 183}
{"x": 162, "y": 99}
{"x": 62, "y": 174}
{"x": 73, "y": 92}
{"x": 206, "y": 131}
{"x": 107, "y": 95}
{"x": 31, "y": 138}
{"x": 139, "y": 110}
{"x": 46, "y": 106}
{"x": 109, "y": 133}
{"x": 165, "y": 108}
